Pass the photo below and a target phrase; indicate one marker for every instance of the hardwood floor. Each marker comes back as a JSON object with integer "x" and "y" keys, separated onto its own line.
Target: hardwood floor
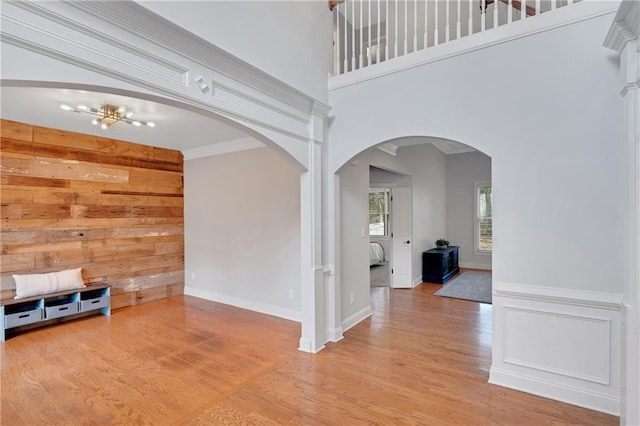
{"x": 420, "y": 360}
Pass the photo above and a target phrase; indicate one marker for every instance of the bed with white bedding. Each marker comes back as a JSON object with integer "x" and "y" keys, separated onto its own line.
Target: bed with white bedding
{"x": 376, "y": 253}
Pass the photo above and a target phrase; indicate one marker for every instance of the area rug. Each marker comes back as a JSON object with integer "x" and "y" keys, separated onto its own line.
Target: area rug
{"x": 379, "y": 275}
{"x": 470, "y": 285}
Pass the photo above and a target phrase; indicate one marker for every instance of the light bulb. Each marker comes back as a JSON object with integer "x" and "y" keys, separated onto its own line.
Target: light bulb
{"x": 103, "y": 126}
{"x": 95, "y": 121}
{"x": 121, "y": 109}
{"x": 129, "y": 114}
{"x": 136, "y": 123}
{"x": 151, "y": 124}
{"x": 65, "y": 107}
{"x": 82, "y": 107}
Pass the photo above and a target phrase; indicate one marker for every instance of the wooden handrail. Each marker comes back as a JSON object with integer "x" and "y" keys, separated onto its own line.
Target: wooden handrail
{"x": 515, "y": 3}
{"x": 334, "y": 3}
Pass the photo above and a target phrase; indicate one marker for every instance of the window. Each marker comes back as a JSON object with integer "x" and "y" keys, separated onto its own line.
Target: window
{"x": 483, "y": 225}
{"x": 379, "y": 212}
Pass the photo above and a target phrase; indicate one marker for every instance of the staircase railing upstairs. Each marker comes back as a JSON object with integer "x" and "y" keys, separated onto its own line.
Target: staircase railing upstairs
{"x": 372, "y": 31}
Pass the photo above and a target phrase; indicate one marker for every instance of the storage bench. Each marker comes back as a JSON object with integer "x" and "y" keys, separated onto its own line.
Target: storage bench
{"x": 40, "y": 310}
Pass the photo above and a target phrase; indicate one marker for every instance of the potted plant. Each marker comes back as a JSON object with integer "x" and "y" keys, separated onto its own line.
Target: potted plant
{"x": 442, "y": 243}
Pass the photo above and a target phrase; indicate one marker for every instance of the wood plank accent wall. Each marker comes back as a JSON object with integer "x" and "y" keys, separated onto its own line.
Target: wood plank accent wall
{"x": 113, "y": 208}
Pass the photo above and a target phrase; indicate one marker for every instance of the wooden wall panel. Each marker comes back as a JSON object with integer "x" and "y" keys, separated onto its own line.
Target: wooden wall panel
{"x": 111, "y": 207}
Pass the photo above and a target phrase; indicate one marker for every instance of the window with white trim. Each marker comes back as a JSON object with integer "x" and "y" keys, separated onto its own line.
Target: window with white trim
{"x": 379, "y": 212}
{"x": 483, "y": 222}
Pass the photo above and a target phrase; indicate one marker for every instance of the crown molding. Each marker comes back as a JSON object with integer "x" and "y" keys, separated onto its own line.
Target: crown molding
{"x": 227, "y": 147}
{"x": 389, "y": 148}
{"x": 625, "y": 27}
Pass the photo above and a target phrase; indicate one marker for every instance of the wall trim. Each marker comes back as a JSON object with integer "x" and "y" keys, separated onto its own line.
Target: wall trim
{"x": 236, "y": 145}
{"x": 475, "y": 266}
{"x": 591, "y": 299}
{"x": 250, "y": 305}
{"x": 417, "y": 281}
{"x": 335, "y": 335}
{"x": 569, "y": 394}
{"x": 354, "y": 319}
{"x": 578, "y": 12}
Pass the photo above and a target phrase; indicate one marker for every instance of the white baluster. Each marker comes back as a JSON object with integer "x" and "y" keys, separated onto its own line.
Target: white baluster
{"x": 369, "y": 42}
{"x": 470, "y": 17}
{"x": 483, "y": 15}
{"x": 406, "y": 28}
{"x": 495, "y": 13}
{"x": 361, "y": 55}
{"x": 378, "y": 49}
{"x": 569, "y": 2}
{"x": 458, "y": 23}
{"x": 537, "y": 7}
{"x": 426, "y": 22}
{"x": 523, "y": 9}
{"x": 415, "y": 25}
{"x": 396, "y": 39}
{"x": 353, "y": 36}
{"x": 447, "y": 32}
{"x": 435, "y": 27}
{"x": 386, "y": 31}
{"x": 337, "y": 41}
{"x": 510, "y": 12}
{"x": 554, "y": 4}
{"x": 346, "y": 40}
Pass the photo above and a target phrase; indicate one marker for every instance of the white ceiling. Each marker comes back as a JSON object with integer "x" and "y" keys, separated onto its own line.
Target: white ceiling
{"x": 175, "y": 128}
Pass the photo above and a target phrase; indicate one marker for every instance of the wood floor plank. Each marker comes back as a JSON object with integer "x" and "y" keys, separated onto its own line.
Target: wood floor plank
{"x": 419, "y": 360}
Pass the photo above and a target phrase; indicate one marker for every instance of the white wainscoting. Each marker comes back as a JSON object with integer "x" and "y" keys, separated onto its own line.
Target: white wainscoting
{"x": 558, "y": 343}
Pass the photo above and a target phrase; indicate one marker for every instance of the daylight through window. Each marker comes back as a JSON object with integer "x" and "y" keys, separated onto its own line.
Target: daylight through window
{"x": 484, "y": 206}
{"x": 379, "y": 212}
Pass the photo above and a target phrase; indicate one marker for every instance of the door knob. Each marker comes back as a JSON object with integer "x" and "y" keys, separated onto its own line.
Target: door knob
{"x": 408, "y": 242}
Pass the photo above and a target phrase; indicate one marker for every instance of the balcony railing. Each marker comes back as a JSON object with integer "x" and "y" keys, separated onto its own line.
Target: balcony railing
{"x": 372, "y": 31}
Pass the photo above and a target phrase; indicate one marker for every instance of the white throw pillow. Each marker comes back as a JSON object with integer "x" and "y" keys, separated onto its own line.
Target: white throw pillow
{"x": 37, "y": 284}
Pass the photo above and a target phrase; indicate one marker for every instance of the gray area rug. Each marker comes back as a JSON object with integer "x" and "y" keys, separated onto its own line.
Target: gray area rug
{"x": 470, "y": 285}
{"x": 379, "y": 275}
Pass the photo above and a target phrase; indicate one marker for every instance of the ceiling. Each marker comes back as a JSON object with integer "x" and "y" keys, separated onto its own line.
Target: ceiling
{"x": 175, "y": 128}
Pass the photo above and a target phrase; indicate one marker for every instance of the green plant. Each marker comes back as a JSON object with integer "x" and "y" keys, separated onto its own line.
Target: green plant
{"x": 442, "y": 242}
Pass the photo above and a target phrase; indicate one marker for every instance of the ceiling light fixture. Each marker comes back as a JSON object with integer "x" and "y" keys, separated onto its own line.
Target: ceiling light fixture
{"x": 108, "y": 115}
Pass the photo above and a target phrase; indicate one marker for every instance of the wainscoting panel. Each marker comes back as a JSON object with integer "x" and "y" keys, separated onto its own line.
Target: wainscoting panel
{"x": 558, "y": 343}
{"x": 585, "y": 354}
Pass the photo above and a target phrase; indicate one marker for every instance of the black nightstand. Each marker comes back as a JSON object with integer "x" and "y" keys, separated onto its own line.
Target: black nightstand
{"x": 439, "y": 265}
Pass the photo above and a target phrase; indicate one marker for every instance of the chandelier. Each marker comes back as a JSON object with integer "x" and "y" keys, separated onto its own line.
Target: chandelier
{"x": 108, "y": 115}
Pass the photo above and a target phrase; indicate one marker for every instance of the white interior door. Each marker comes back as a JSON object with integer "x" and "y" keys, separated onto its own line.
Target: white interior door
{"x": 401, "y": 223}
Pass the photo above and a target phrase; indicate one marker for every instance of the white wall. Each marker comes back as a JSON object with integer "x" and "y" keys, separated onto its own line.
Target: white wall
{"x": 463, "y": 170}
{"x": 542, "y": 106}
{"x": 426, "y": 166}
{"x": 242, "y": 231}
{"x": 291, "y": 40}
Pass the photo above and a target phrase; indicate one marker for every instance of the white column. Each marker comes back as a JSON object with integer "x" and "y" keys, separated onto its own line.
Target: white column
{"x": 332, "y": 268}
{"x": 624, "y": 37}
{"x": 314, "y": 324}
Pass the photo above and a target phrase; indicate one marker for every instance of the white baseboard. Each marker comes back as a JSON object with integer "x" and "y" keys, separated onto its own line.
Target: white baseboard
{"x": 417, "y": 281}
{"x": 244, "y": 304}
{"x": 559, "y": 343}
{"x": 354, "y": 319}
{"x": 335, "y": 335}
{"x": 571, "y": 395}
{"x": 475, "y": 266}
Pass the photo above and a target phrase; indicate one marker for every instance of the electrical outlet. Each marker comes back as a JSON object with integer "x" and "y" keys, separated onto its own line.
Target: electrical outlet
{"x": 193, "y": 275}
{"x": 290, "y": 293}
{"x": 352, "y": 298}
